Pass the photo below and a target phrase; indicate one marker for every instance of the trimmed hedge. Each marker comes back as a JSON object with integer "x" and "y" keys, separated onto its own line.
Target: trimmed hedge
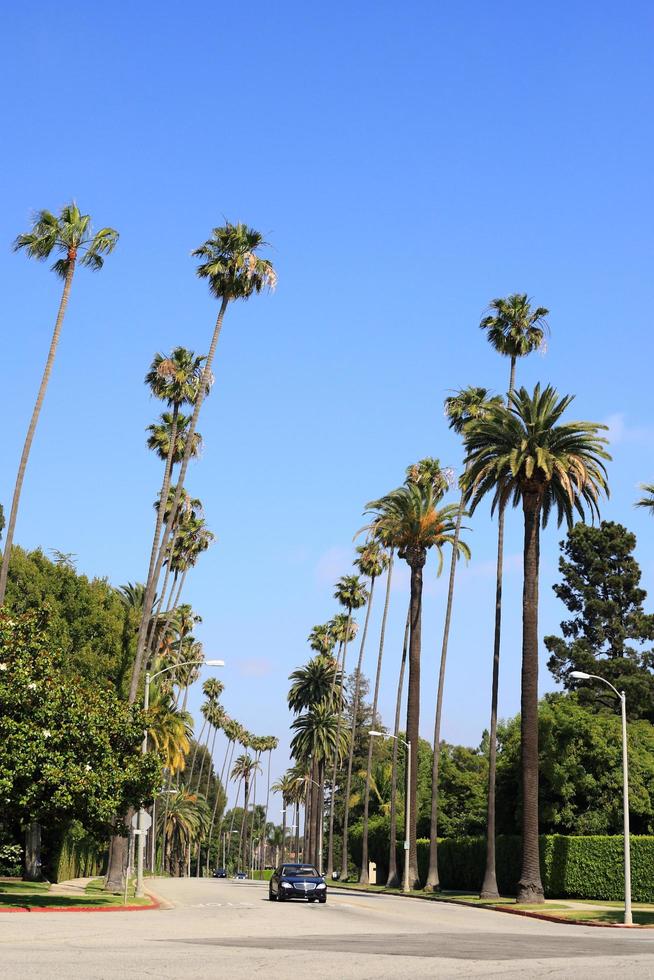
{"x": 571, "y": 867}
{"x": 79, "y": 856}
{"x": 264, "y": 875}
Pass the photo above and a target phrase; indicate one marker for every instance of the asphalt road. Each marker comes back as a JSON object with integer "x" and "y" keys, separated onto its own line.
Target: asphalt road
{"x": 229, "y": 929}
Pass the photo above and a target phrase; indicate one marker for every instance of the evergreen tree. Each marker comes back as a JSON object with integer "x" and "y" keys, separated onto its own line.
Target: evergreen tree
{"x": 609, "y": 632}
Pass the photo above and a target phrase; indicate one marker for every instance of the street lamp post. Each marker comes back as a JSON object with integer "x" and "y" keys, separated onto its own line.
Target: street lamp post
{"x": 407, "y": 811}
{"x": 144, "y": 748}
{"x": 582, "y": 676}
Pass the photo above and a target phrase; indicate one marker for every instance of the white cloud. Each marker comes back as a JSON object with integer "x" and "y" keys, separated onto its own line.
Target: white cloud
{"x": 619, "y": 431}
{"x": 255, "y": 667}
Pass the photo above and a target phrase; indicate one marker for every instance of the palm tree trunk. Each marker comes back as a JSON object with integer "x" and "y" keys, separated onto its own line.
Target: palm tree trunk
{"x": 433, "y": 882}
{"x": 195, "y": 753}
{"x": 417, "y": 564}
{"x": 244, "y": 821}
{"x": 153, "y": 578}
{"x": 489, "y": 885}
{"x": 330, "y": 847}
{"x": 530, "y": 887}
{"x": 297, "y": 831}
{"x": 284, "y": 806}
{"x": 363, "y": 873}
{"x": 163, "y": 499}
{"x": 355, "y": 709}
{"x": 230, "y": 746}
{"x": 393, "y": 878}
{"x": 320, "y": 817}
{"x": 11, "y": 526}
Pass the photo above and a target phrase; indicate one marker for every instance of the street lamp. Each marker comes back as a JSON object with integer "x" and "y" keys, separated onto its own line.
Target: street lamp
{"x": 144, "y": 748}
{"x": 580, "y": 675}
{"x": 407, "y": 813}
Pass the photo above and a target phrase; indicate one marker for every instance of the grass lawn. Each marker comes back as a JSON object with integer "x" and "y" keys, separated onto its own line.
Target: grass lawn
{"x": 36, "y": 895}
{"x": 642, "y": 914}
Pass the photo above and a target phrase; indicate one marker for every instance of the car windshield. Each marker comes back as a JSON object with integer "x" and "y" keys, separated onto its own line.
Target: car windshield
{"x": 300, "y": 871}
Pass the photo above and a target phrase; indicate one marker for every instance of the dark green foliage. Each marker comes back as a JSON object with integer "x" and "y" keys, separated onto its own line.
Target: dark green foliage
{"x": 571, "y": 867}
{"x": 89, "y": 625}
{"x": 609, "y": 633}
{"x": 580, "y": 764}
{"x": 79, "y": 856}
{"x": 68, "y": 751}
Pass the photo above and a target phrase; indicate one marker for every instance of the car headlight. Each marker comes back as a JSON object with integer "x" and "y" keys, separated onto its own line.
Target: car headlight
{"x": 286, "y": 884}
{"x": 321, "y": 886}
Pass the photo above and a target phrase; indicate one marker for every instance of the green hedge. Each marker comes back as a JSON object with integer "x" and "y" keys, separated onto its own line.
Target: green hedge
{"x": 571, "y": 867}
{"x": 79, "y": 856}
{"x": 265, "y": 875}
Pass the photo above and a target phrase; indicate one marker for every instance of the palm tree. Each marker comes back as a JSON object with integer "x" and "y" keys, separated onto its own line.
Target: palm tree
{"x": 184, "y": 820}
{"x": 363, "y": 873}
{"x": 524, "y": 454}
{"x": 244, "y": 768}
{"x": 372, "y": 561}
{"x": 411, "y": 522}
{"x": 318, "y": 738}
{"x": 352, "y": 595}
{"x": 285, "y": 786}
{"x": 461, "y": 409}
{"x": 393, "y": 878}
{"x": 233, "y": 270}
{"x": 70, "y": 236}
{"x": 169, "y": 729}
{"x": 514, "y": 330}
{"x": 314, "y": 683}
{"x": 322, "y": 639}
{"x": 168, "y": 439}
{"x": 648, "y": 500}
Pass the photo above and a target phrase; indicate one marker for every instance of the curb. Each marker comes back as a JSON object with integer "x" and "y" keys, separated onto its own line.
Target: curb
{"x": 525, "y": 913}
{"x": 155, "y": 906}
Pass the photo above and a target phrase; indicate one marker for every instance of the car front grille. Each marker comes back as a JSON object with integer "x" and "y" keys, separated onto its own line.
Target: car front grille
{"x": 304, "y": 886}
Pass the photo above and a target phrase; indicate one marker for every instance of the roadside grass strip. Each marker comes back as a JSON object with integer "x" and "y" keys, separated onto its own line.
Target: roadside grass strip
{"x": 28, "y": 896}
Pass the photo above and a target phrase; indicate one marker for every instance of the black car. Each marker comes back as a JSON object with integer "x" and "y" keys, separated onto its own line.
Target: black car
{"x": 297, "y": 881}
{"x": 220, "y": 873}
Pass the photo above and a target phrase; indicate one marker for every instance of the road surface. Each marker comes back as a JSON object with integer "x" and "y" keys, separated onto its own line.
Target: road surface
{"x": 229, "y": 929}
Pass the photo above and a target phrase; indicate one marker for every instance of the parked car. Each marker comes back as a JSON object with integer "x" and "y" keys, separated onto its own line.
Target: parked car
{"x": 220, "y": 873}
{"x": 297, "y": 881}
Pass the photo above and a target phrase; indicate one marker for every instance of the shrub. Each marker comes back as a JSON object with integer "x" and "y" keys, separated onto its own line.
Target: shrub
{"x": 10, "y": 860}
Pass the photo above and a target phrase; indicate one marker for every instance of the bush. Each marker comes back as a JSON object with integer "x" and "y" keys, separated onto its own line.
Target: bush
{"x": 571, "y": 867}
{"x": 79, "y": 856}
{"x": 11, "y": 860}
{"x": 264, "y": 875}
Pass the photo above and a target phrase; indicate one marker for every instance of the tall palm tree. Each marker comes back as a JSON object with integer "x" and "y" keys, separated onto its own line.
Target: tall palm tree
{"x": 371, "y": 562}
{"x": 461, "y": 409}
{"x": 411, "y": 522}
{"x": 233, "y": 270}
{"x": 363, "y": 873}
{"x": 318, "y": 738}
{"x": 351, "y": 594}
{"x": 167, "y": 437}
{"x": 514, "y": 330}
{"x": 244, "y": 768}
{"x": 393, "y": 878}
{"x": 70, "y": 236}
{"x": 322, "y": 639}
{"x": 169, "y": 730}
{"x": 525, "y": 455}
{"x": 285, "y": 786}
{"x": 184, "y": 820}
{"x": 648, "y": 500}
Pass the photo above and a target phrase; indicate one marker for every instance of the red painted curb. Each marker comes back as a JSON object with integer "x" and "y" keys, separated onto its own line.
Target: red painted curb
{"x": 88, "y": 908}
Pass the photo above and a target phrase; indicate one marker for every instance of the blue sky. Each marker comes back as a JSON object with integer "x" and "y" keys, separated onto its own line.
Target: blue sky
{"x": 407, "y": 164}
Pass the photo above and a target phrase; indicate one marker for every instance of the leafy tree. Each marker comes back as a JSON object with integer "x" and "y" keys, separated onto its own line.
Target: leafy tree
{"x": 68, "y": 750}
{"x": 90, "y": 624}
{"x": 70, "y": 236}
{"x": 609, "y": 629}
{"x": 526, "y": 455}
{"x": 580, "y": 762}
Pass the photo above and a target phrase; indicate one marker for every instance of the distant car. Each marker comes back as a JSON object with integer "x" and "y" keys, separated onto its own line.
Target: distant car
{"x": 240, "y": 875}
{"x": 297, "y": 881}
{"x": 220, "y": 873}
